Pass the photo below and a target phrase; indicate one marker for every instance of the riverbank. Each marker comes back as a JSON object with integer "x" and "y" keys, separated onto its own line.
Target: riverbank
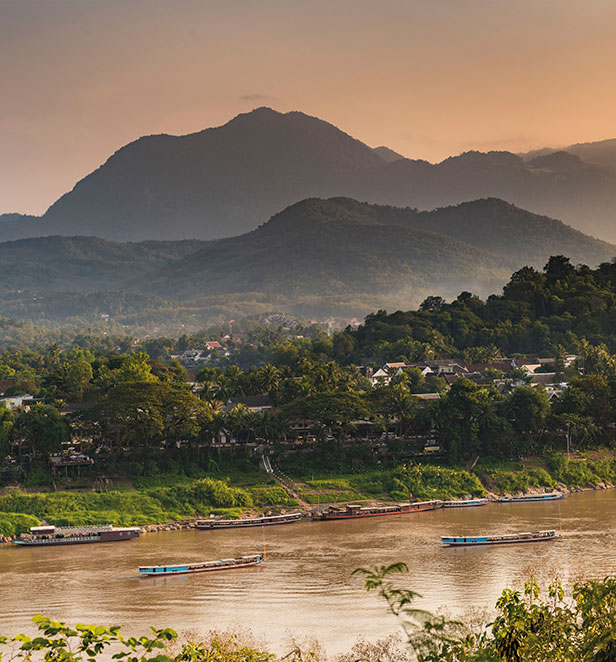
{"x": 177, "y": 501}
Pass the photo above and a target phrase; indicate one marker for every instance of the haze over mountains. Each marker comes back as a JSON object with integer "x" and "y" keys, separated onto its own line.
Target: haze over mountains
{"x": 314, "y": 257}
{"x": 601, "y": 152}
{"x": 224, "y": 181}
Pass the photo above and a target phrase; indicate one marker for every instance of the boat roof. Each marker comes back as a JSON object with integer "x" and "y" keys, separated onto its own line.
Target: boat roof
{"x": 177, "y": 565}
{"x": 500, "y": 535}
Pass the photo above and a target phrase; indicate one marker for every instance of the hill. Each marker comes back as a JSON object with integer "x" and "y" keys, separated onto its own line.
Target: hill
{"x": 601, "y": 152}
{"x": 82, "y": 264}
{"x": 223, "y": 181}
{"x": 337, "y": 246}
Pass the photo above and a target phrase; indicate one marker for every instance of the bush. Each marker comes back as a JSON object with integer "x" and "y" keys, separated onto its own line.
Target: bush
{"x": 583, "y": 473}
{"x": 12, "y": 524}
{"x": 432, "y": 482}
{"x": 511, "y": 482}
{"x": 130, "y": 507}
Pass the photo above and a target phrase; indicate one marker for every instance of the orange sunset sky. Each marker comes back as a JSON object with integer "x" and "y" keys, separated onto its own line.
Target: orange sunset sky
{"x": 80, "y": 78}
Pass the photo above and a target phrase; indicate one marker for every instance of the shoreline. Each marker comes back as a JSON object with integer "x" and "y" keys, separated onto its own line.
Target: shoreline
{"x": 182, "y": 525}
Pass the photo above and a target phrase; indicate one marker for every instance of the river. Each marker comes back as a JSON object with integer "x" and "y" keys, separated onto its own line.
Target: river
{"x": 305, "y": 588}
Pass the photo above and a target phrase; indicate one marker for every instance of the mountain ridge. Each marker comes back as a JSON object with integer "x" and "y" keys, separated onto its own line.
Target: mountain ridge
{"x": 222, "y": 181}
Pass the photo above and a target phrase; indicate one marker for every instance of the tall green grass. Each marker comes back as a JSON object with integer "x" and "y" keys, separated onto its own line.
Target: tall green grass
{"x": 12, "y": 524}
{"x": 135, "y": 507}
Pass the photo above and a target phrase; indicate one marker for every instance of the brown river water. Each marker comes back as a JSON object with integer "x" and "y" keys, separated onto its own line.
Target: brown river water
{"x": 305, "y": 587}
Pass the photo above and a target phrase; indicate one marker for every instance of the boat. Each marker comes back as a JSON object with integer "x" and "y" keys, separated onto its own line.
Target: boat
{"x": 465, "y": 503}
{"x": 205, "y": 566}
{"x": 266, "y": 520}
{"x": 354, "y": 511}
{"x": 548, "y": 496}
{"x": 44, "y": 536}
{"x": 504, "y": 539}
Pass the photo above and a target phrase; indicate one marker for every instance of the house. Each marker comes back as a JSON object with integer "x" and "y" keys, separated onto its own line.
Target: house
{"x": 380, "y": 377}
{"x": 15, "y": 401}
{"x": 255, "y": 403}
{"x": 212, "y": 344}
{"x": 543, "y": 378}
{"x": 427, "y": 396}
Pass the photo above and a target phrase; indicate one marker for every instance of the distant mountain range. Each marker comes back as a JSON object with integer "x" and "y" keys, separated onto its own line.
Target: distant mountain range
{"x": 601, "y": 152}
{"x": 224, "y": 181}
{"x": 313, "y": 249}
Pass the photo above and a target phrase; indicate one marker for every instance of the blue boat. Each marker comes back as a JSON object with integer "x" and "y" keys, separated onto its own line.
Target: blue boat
{"x": 465, "y": 503}
{"x": 548, "y": 496}
{"x": 504, "y": 539}
{"x": 205, "y": 566}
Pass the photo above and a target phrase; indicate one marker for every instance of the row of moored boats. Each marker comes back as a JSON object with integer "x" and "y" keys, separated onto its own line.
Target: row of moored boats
{"x": 51, "y": 535}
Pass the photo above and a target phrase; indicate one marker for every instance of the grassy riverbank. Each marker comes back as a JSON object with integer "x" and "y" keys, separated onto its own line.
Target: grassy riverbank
{"x": 170, "y": 497}
{"x": 178, "y": 499}
{"x": 434, "y": 481}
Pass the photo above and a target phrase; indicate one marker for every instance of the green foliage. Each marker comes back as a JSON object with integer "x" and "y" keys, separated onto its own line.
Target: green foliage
{"x": 432, "y": 482}
{"x": 511, "y": 482}
{"x": 151, "y": 506}
{"x": 583, "y": 473}
{"x": 527, "y": 625}
{"x": 12, "y": 524}
{"x": 271, "y": 496}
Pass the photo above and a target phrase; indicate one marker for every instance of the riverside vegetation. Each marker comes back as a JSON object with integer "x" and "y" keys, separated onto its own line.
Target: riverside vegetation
{"x": 127, "y": 404}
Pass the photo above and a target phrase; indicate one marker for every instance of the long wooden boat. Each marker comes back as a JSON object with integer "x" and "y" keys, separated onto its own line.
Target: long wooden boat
{"x": 504, "y": 539}
{"x": 465, "y": 503}
{"x": 266, "y": 520}
{"x": 44, "y": 536}
{"x": 355, "y": 511}
{"x": 548, "y": 496}
{"x": 204, "y": 566}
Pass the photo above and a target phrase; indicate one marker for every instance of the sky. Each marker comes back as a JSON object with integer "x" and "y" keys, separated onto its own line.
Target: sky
{"x": 427, "y": 78}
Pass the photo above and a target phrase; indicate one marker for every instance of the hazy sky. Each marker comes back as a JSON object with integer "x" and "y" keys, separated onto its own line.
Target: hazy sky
{"x": 80, "y": 78}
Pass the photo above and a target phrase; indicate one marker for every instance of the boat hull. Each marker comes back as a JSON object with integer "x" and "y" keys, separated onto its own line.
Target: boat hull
{"x": 465, "y": 504}
{"x": 460, "y": 541}
{"x": 334, "y": 516}
{"x": 242, "y": 524}
{"x": 531, "y": 499}
{"x": 107, "y": 536}
{"x": 189, "y": 569}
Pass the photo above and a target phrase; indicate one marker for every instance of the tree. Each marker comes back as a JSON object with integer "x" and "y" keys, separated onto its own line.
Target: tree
{"x": 40, "y": 431}
{"x": 135, "y": 368}
{"x": 527, "y": 409}
{"x": 432, "y": 304}
{"x": 78, "y": 377}
{"x": 6, "y": 425}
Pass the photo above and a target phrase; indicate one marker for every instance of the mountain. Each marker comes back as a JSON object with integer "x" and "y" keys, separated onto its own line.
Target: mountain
{"x": 388, "y": 155}
{"x": 322, "y": 248}
{"x": 602, "y": 152}
{"x": 223, "y": 181}
{"x": 336, "y": 246}
{"x": 82, "y": 264}
{"x": 215, "y": 183}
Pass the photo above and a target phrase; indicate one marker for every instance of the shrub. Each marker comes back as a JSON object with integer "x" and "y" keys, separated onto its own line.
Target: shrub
{"x": 12, "y": 524}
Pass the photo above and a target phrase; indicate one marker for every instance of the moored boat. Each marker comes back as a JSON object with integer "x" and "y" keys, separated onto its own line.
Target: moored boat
{"x": 548, "y": 496}
{"x": 204, "y": 566}
{"x": 465, "y": 503}
{"x": 50, "y": 535}
{"x": 266, "y": 520}
{"x": 504, "y": 539}
{"x": 355, "y": 511}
